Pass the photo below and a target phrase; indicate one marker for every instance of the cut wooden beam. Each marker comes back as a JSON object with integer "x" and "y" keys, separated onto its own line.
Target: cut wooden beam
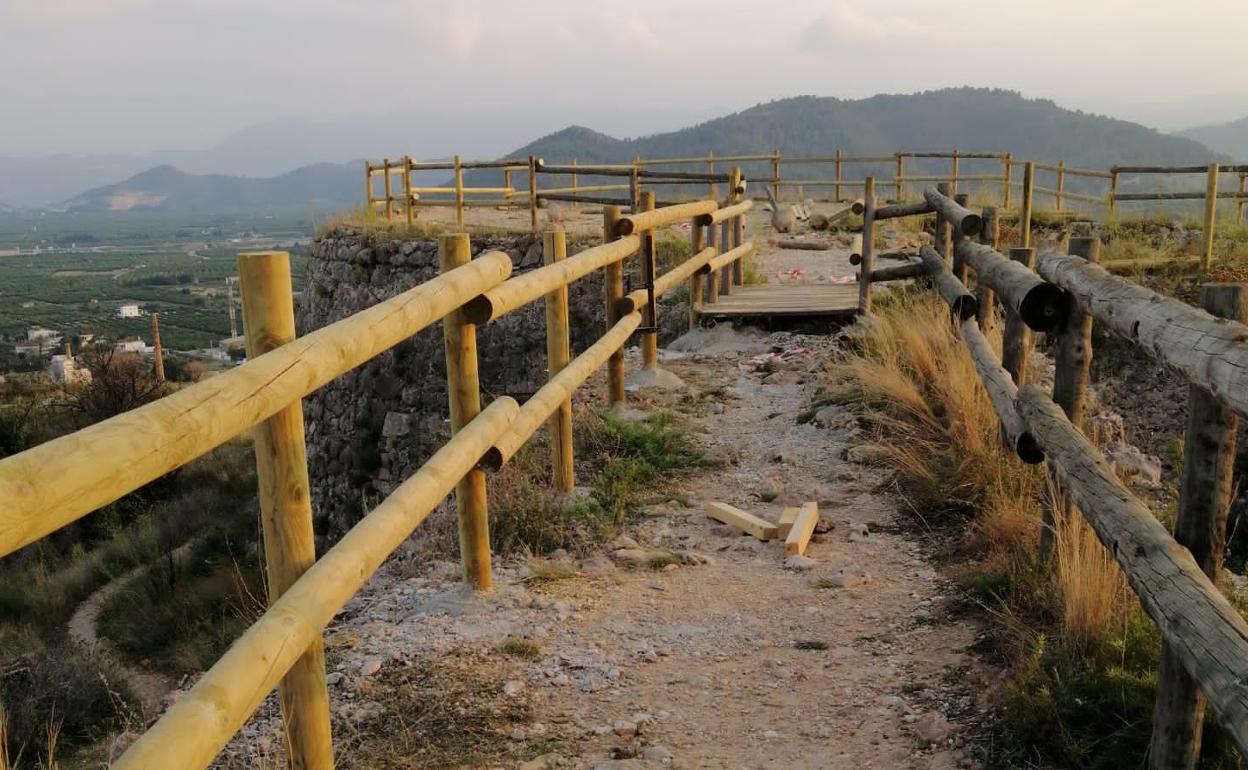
{"x": 787, "y": 517}
{"x": 798, "y": 537}
{"x": 746, "y": 522}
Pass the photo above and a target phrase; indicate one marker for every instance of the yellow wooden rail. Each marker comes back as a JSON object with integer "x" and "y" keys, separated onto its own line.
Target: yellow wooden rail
{"x": 58, "y": 482}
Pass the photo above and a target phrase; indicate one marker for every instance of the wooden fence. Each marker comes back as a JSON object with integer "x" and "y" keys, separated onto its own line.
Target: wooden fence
{"x": 407, "y": 200}
{"x": 1205, "y": 655}
{"x": 54, "y": 484}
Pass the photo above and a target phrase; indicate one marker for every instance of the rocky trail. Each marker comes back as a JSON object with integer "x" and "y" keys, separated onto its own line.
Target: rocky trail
{"x": 685, "y": 643}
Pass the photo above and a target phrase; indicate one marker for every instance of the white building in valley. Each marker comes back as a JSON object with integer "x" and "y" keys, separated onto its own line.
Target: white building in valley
{"x": 64, "y": 370}
{"x": 129, "y": 310}
{"x": 130, "y": 345}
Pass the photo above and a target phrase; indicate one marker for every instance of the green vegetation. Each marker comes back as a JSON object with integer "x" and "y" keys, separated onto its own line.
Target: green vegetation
{"x": 1081, "y": 655}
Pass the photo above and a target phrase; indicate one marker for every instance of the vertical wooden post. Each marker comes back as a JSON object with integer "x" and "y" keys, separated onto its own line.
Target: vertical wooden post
{"x": 725, "y": 275}
{"x": 389, "y": 210}
{"x": 574, "y": 177}
{"x": 837, "y": 161}
{"x": 158, "y": 354}
{"x": 711, "y": 191}
{"x": 1061, "y": 184}
{"x": 943, "y": 234}
{"x": 649, "y": 340}
{"x": 868, "y": 246}
{"x": 1239, "y": 200}
{"x": 459, "y": 194}
{"x": 613, "y": 281}
{"x": 897, "y": 175}
{"x": 986, "y": 310}
{"x": 533, "y": 193}
{"x": 1072, "y": 364}
{"x": 959, "y": 264}
{"x": 712, "y": 278}
{"x": 738, "y": 225}
{"x": 1204, "y": 500}
{"x": 1112, "y": 203}
{"x": 697, "y": 283}
{"x": 407, "y": 188}
{"x": 507, "y": 185}
{"x": 954, "y": 175}
{"x": 634, "y": 190}
{"x": 1024, "y": 215}
{"x": 1211, "y": 213}
{"x": 1008, "y": 177}
{"x": 464, "y": 388}
{"x": 775, "y": 174}
{"x": 286, "y": 503}
{"x": 558, "y": 354}
{"x": 1016, "y": 337}
{"x": 368, "y": 194}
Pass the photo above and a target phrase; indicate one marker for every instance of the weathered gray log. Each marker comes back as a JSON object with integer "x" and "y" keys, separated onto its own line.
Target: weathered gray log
{"x": 867, "y": 246}
{"x": 959, "y": 264}
{"x": 1072, "y": 360}
{"x": 903, "y": 210}
{"x": 799, "y": 245}
{"x": 1016, "y": 337}
{"x": 855, "y": 258}
{"x": 1204, "y": 499}
{"x": 1042, "y": 306}
{"x": 961, "y": 301}
{"x": 1209, "y": 635}
{"x": 898, "y": 272}
{"x": 1002, "y": 391}
{"x": 966, "y": 222}
{"x": 986, "y": 314}
{"x": 1211, "y": 352}
{"x": 943, "y": 233}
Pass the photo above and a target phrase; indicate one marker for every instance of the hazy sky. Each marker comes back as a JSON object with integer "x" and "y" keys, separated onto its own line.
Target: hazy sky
{"x": 146, "y": 75}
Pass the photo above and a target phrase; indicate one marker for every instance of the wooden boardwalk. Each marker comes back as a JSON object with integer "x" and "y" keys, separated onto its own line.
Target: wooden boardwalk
{"x": 786, "y": 299}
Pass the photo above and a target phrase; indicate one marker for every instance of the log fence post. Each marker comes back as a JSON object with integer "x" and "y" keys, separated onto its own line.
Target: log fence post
{"x": 558, "y": 354}
{"x": 897, "y": 179}
{"x": 613, "y": 281}
{"x": 1205, "y": 491}
{"x": 459, "y": 193}
{"x": 533, "y": 193}
{"x": 943, "y": 234}
{"x": 697, "y": 283}
{"x": 837, "y": 164}
{"x": 1211, "y": 213}
{"x": 158, "y": 353}
{"x": 507, "y": 185}
{"x": 385, "y": 162}
{"x": 712, "y": 278}
{"x": 407, "y": 189}
{"x": 286, "y": 504}
{"x": 1008, "y": 177}
{"x": 711, "y": 190}
{"x": 725, "y": 275}
{"x": 463, "y": 387}
{"x": 574, "y": 177}
{"x": 738, "y": 225}
{"x": 650, "y": 339}
{"x": 1239, "y": 198}
{"x": 775, "y": 174}
{"x": 368, "y": 188}
{"x": 868, "y": 246}
{"x": 954, "y": 171}
{"x": 1113, "y": 192}
{"x": 1016, "y": 337}
{"x": 986, "y": 311}
{"x": 1024, "y": 216}
{"x": 1060, "y": 189}
{"x": 959, "y": 264}
{"x": 1072, "y": 365}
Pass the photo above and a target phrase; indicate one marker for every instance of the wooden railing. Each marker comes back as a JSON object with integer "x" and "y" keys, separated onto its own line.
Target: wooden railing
{"x": 1205, "y": 653}
{"x": 56, "y": 483}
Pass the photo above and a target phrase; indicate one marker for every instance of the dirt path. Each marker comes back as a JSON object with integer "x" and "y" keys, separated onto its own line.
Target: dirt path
{"x": 149, "y": 687}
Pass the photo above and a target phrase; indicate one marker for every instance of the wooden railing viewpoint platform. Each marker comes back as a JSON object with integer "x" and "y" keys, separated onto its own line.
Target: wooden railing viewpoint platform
{"x": 1205, "y": 653}
{"x": 54, "y": 484}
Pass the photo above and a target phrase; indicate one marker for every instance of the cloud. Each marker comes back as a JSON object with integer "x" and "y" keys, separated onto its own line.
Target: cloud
{"x": 64, "y": 13}
{"x": 639, "y": 33}
{"x": 456, "y": 34}
{"x": 849, "y": 24}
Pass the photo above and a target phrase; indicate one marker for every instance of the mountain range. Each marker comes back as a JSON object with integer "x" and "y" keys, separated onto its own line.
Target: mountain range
{"x": 243, "y": 171}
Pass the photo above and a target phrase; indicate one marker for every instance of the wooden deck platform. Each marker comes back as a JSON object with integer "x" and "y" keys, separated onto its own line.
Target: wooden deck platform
{"x": 787, "y": 299}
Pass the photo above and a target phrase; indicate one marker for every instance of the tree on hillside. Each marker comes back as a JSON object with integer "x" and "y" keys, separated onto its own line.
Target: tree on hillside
{"x": 120, "y": 381}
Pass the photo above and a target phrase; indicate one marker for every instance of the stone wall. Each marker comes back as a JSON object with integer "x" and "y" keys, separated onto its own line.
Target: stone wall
{"x": 371, "y": 428}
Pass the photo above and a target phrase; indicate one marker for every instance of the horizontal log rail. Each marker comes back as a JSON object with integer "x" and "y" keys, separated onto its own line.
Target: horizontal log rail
{"x": 662, "y": 217}
{"x": 630, "y": 171}
{"x": 960, "y": 301}
{"x": 1211, "y": 352}
{"x": 198, "y": 726}
{"x": 523, "y": 289}
{"x": 1076, "y": 196}
{"x": 1040, "y": 304}
{"x": 724, "y": 214}
{"x": 1075, "y": 171}
{"x": 1177, "y": 196}
{"x": 966, "y": 221}
{"x": 904, "y": 210}
{"x": 705, "y": 261}
{"x": 1195, "y": 619}
{"x": 898, "y": 272}
{"x": 94, "y": 466}
{"x": 1001, "y": 391}
{"x": 1201, "y": 169}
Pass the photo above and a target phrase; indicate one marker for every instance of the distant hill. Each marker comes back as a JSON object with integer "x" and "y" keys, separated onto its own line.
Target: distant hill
{"x": 323, "y": 186}
{"x": 1230, "y": 139}
{"x": 968, "y": 118}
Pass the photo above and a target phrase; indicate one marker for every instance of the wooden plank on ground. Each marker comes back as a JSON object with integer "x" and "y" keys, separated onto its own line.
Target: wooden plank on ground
{"x": 803, "y": 527}
{"x": 787, "y": 517}
{"x": 746, "y": 522}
